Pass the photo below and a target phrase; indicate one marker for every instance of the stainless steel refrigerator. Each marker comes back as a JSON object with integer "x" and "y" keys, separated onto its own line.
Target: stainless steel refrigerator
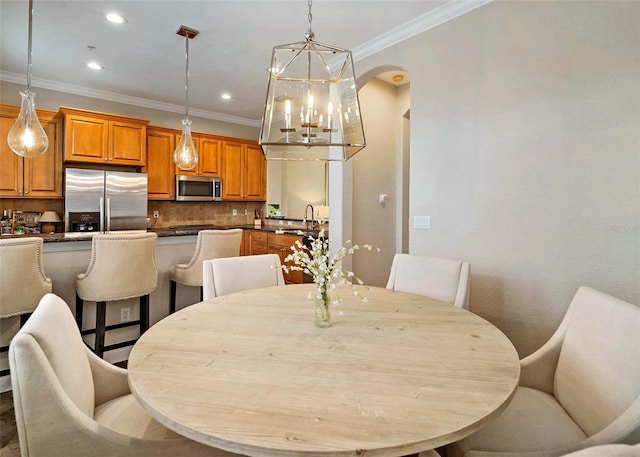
{"x": 104, "y": 201}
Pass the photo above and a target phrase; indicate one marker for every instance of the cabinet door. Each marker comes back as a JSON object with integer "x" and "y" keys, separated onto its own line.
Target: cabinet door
{"x": 232, "y": 186}
{"x": 11, "y": 184}
{"x": 128, "y": 143}
{"x": 255, "y": 179}
{"x": 43, "y": 174}
{"x": 160, "y": 168}
{"x": 210, "y": 157}
{"x": 280, "y": 244}
{"x": 86, "y": 139}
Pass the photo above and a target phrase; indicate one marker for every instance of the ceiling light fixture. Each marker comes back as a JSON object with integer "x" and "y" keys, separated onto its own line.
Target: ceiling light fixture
{"x": 95, "y": 66}
{"x": 116, "y": 18}
{"x": 225, "y": 97}
{"x": 26, "y": 137}
{"x": 186, "y": 156}
{"x": 312, "y": 110}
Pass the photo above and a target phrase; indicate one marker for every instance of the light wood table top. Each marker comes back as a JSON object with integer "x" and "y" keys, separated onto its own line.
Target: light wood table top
{"x": 250, "y": 373}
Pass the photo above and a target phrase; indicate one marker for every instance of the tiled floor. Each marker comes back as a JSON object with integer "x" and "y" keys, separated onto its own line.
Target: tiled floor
{"x": 9, "y": 446}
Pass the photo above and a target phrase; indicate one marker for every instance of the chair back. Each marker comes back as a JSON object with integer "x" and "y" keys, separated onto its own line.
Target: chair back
{"x": 122, "y": 266}
{"x": 211, "y": 244}
{"x": 50, "y": 344}
{"x": 597, "y": 377}
{"x": 443, "y": 279}
{"x": 234, "y": 274}
{"x": 22, "y": 279}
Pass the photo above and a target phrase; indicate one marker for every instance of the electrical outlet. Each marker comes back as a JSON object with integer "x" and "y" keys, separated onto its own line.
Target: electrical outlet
{"x": 289, "y": 222}
{"x": 156, "y": 214}
{"x": 234, "y": 212}
{"x": 125, "y": 314}
{"x": 246, "y": 211}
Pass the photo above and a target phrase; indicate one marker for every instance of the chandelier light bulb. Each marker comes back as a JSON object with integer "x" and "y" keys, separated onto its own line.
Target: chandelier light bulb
{"x": 26, "y": 137}
{"x": 186, "y": 156}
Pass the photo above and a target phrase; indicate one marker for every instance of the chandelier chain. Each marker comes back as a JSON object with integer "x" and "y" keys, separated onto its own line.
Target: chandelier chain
{"x": 309, "y": 15}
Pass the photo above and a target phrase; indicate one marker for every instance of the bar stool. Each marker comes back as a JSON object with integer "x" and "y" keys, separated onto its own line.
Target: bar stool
{"x": 22, "y": 279}
{"x": 122, "y": 266}
{"x": 211, "y": 244}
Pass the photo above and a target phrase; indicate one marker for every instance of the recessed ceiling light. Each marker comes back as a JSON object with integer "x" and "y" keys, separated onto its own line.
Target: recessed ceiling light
{"x": 95, "y": 66}
{"x": 225, "y": 97}
{"x": 116, "y": 18}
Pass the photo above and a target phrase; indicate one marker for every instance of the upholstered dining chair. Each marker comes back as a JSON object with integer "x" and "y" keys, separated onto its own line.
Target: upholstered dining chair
{"x": 22, "y": 279}
{"x": 211, "y": 244}
{"x": 68, "y": 402}
{"x": 234, "y": 274}
{"x": 122, "y": 266}
{"x": 443, "y": 279}
{"x": 608, "y": 450}
{"x": 580, "y": 389}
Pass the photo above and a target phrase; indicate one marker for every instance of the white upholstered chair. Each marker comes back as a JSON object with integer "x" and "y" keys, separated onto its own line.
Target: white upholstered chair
{"x": 68, "y": 402}
{"x": 234, "y": 274}
{"x": 122, "y": 266}
{"x": 22, "y": 279}
{"x": 443, "y": 279}
{"x": 211, "y": 244}
{"x": 608, "y": 450}
{"x": 580, "y": 389}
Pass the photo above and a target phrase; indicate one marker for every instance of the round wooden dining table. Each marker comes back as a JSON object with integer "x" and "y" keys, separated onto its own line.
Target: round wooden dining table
{"x": 250, "y": 373}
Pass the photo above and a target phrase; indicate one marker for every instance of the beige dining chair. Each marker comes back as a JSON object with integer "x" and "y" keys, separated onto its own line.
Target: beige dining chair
{"x": 234, "y": 274}
{"x": 22, "y": 280}
{"x": 608, "y": 450}
{"x": 443, "y": 279}
{"x": 68, "y": 402}
{"x": 580, "y": 389}
{"x": 122, "y": 266}
{"x": 211, "y": 244}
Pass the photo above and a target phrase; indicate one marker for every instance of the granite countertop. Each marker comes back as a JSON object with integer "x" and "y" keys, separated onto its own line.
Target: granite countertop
{"x": 185, "y": 230}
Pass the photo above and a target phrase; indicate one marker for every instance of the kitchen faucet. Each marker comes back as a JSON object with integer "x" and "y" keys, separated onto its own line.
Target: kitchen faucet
{"x": 313, "y": 222}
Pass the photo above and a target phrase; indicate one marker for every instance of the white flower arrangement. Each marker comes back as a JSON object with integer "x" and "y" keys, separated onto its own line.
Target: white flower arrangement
{"x": 325, "y": 269}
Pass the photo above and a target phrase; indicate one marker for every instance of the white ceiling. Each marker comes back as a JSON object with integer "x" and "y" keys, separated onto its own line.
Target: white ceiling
{"x": 144, "y": 59}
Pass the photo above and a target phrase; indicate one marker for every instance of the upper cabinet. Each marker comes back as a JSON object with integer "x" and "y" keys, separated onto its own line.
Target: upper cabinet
{"x": 102, "y": 138}
{"x": 39, "y": 177}
{"x": 244, "y": 171}
{"x": 209, "y": 149}
{"x": 160, "y": 169}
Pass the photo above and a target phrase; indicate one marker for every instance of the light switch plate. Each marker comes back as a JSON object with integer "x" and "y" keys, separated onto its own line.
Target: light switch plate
{"x": 422, "y": 222}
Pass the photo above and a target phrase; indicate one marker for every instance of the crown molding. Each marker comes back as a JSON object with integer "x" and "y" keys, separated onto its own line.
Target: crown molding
{"x": 414, "y": 27}
{"x": 126, "y": 99}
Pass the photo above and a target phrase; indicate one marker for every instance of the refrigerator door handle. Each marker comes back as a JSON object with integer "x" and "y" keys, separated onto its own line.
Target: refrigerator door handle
{"x": 101, "y": 215}
{"x": 108, "y": 214}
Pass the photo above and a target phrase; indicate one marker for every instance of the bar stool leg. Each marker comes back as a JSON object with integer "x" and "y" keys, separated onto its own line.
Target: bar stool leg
{"x": 144, "y": 314}
{"x": 101, "y": 312}
{"x": 172, "y": 302}
{"x": 79, "y": 311}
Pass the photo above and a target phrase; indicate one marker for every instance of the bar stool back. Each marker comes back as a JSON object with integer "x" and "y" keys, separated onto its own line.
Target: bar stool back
{"x": 211, "y": 244}
{"x": 122, "y": 266}
{"x": 22, "y": 279}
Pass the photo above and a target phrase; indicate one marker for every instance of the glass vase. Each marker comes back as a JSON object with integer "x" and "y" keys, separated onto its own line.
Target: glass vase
{"x": 323, "y": 315}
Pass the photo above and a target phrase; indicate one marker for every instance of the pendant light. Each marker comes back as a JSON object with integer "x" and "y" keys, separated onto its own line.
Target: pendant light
{"x": 186, "y": 156}
{"x": 312, "y": 110}
{"x": 26, "y": 137}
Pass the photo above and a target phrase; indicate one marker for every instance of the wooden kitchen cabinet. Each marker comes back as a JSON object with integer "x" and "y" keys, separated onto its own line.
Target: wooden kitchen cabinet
{"x": 39, "y": 177}
{"x": 92, "y": 137}
{"x": 257, "y": 242}
{"x": 280, "y": 244}
{"x": 160, "y": 169}
{"x": 244, "y": 172}
{"x": 209, "y": 150}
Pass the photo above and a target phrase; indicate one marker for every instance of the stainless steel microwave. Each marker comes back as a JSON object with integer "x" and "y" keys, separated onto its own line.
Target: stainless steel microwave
{"x": 198, "y": 188}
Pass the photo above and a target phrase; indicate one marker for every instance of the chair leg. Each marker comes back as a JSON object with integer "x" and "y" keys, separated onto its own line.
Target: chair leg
{"x": 101, "y": 311}
{"x": 201, "y": 293}
{"x": 172, "y": 302}
{"x": 79, "y": 311}
{"x": 144, "y": 314}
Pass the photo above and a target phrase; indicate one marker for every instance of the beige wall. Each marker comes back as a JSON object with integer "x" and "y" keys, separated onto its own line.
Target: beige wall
{"x": 525, "y": 152}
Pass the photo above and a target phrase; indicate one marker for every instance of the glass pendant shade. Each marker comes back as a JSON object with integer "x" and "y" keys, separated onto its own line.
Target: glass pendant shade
{"x": 186, "y": 156}
{"x": 312, "y": 110}
{"x": 26, "y": 137}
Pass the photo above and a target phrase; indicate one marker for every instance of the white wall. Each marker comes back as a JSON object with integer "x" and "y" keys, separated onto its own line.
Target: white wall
{"x": 374, "y": 173}
{"x": 525, "y": 152}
